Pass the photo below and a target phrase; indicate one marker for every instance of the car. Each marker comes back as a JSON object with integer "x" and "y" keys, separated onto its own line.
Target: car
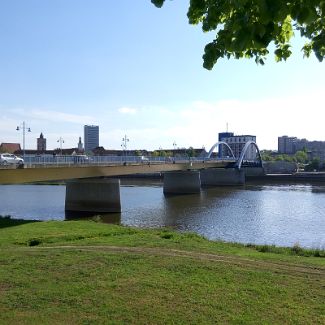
{"x": 10, "y": 159}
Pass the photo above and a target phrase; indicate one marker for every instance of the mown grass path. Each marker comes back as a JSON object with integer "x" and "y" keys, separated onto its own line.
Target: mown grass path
{"x": 91, "y": 273}
{"x": 238, "y": 261}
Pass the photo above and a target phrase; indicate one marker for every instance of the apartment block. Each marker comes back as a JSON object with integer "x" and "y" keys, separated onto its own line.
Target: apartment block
{"x": 91, "y": 137}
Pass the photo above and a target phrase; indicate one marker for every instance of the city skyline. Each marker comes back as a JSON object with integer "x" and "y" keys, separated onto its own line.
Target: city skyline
{"x": 142, "y": 76}
{"x": 41, "y": 145}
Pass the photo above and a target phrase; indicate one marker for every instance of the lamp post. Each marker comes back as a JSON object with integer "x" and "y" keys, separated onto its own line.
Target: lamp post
{"x": 174, "y": 145}
{"x": 23, "y": 127}
{"x": 61, "y": 141}
{"x": 125, "y": 140}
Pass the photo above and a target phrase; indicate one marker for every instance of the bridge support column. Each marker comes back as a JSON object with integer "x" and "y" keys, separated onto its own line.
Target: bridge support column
{"x": 93, "y": 195}
{"x": 182, "y": 182}
{"x": 222, "y": 176}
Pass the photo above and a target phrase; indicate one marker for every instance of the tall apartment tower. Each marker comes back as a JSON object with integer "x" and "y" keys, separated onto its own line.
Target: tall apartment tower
{"x": 287, "y": 145}
{"x": 41, "y": 143}
{"x": 91, "y": 137}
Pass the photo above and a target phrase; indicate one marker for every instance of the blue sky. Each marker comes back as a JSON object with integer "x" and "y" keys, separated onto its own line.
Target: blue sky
{"x": 137, "y": 70}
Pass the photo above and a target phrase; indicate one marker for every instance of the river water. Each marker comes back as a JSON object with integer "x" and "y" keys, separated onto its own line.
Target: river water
{"x": 280, "y": 214}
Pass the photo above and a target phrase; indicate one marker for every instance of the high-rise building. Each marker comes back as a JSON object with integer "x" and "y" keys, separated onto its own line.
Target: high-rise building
{"x": 41, "y": 143}
{"x": 290, "y": 145}
{"x": 287, "y": 145}
{"x": 91, "y": 137}
{"x": 236, "y": 143}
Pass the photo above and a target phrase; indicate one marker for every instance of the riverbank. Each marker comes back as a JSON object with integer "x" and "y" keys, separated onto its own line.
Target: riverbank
{"x": 300, "y": 177}
{"x": 87, "y": 272}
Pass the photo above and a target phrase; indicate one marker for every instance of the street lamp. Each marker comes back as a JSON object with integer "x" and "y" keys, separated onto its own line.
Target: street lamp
{"x": 61, "y": 141}
{"x": 174, "y": 145}
{"x": 125, "y": 140}
{"x": 23, "y": 127}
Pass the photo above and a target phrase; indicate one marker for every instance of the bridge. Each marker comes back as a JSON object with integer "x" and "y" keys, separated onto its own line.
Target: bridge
{"x": 88, "y": 190}
{"x": 41, "y": 173}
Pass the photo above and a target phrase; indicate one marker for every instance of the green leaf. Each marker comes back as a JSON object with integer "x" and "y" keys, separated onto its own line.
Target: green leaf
{"x": 158, "y": 3}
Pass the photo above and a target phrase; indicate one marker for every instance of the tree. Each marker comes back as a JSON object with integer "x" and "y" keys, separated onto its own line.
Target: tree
{"x": 190, "y": 152}
{"x": 301, "y": 156}
{"x": 314, "y": 165}
{"x": 162, "y": 153}
{"x": 284, "y": 158}
{"x": 247, "y": 28}
{"x": 266, "y": 155}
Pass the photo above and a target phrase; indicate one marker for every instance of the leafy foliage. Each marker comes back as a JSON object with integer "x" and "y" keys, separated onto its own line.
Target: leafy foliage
{"x": 246, "y": 28}
{"x": 315, "y": 164}
{"x": 191, "y": 152}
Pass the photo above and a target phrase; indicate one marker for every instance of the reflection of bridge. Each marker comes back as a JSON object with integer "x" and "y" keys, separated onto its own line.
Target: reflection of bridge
{"x": 85, "y": 192}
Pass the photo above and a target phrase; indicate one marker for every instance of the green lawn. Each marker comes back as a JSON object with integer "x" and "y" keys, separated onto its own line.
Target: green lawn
{"x": 84, "y": 272}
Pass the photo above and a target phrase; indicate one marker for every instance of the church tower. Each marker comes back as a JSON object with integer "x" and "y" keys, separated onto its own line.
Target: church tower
{"x": 80, "y": 146}
{"x": 41, "y": 143}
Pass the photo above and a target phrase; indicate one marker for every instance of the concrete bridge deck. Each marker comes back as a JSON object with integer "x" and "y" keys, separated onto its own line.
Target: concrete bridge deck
{"x": 50, "y": 173}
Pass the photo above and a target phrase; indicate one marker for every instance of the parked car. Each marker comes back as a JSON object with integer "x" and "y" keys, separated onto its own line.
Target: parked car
{"x": 10, "y": 159}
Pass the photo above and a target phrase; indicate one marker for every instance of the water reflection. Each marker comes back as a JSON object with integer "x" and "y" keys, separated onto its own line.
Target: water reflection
{"x": 281, "y": 214}
{"x": 113, "y": 218}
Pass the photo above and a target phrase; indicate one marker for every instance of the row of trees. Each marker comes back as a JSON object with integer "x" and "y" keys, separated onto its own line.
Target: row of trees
{"x": 300, "y": 157}
{"x": 190, "y": 152}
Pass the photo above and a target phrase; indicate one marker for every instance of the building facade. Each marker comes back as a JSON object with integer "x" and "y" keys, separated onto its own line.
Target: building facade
{"x": 236, "y": 143}
{"x": 221, "y": 137}
{"x": 80, "y": 146}
{"x": 91, "y": 137}
{"x": 10, "y": 147}
{"x": 41, "y": 143}
{"x": 290, "y": 145}
{"x": 287, "y": 145}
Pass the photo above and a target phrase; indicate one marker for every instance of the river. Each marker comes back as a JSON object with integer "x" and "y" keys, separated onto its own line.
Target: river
{"x": 279, "y": 214}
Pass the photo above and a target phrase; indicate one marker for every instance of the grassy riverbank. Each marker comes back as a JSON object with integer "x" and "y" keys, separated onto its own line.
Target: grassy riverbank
{"x": 83, "y": 272}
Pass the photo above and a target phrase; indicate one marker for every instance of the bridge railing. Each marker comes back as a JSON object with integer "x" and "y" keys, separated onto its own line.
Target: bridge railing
{"x": 58, "y": 160}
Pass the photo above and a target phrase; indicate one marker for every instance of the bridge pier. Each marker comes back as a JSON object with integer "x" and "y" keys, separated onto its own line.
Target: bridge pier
{"x": 93, "y": 195}
{"x": 182, "y": 182}
{"x": 222, "y": 176}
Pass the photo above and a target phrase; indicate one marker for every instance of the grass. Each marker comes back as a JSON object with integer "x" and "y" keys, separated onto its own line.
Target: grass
{"x": 83, "y": 272}
{"x": 6, "y": 221}
{"x": 296, "y": 249}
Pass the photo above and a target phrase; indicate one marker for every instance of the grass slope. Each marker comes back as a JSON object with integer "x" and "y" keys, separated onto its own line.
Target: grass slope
{"x": 83, "y": 272}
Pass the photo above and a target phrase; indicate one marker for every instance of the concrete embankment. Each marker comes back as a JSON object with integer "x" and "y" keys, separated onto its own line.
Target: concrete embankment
{"x": 296, "y": 177}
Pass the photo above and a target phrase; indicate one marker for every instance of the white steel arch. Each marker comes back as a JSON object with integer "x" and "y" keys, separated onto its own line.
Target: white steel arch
{"x": 217, "y": 144}
{"x": 247, "y": 145}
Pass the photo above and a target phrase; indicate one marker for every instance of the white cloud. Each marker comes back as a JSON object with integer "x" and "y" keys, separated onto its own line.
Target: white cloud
{"x": 56, "y": 116}
{"x": 127, "y": 110}
{"x": 194, "y": 124}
